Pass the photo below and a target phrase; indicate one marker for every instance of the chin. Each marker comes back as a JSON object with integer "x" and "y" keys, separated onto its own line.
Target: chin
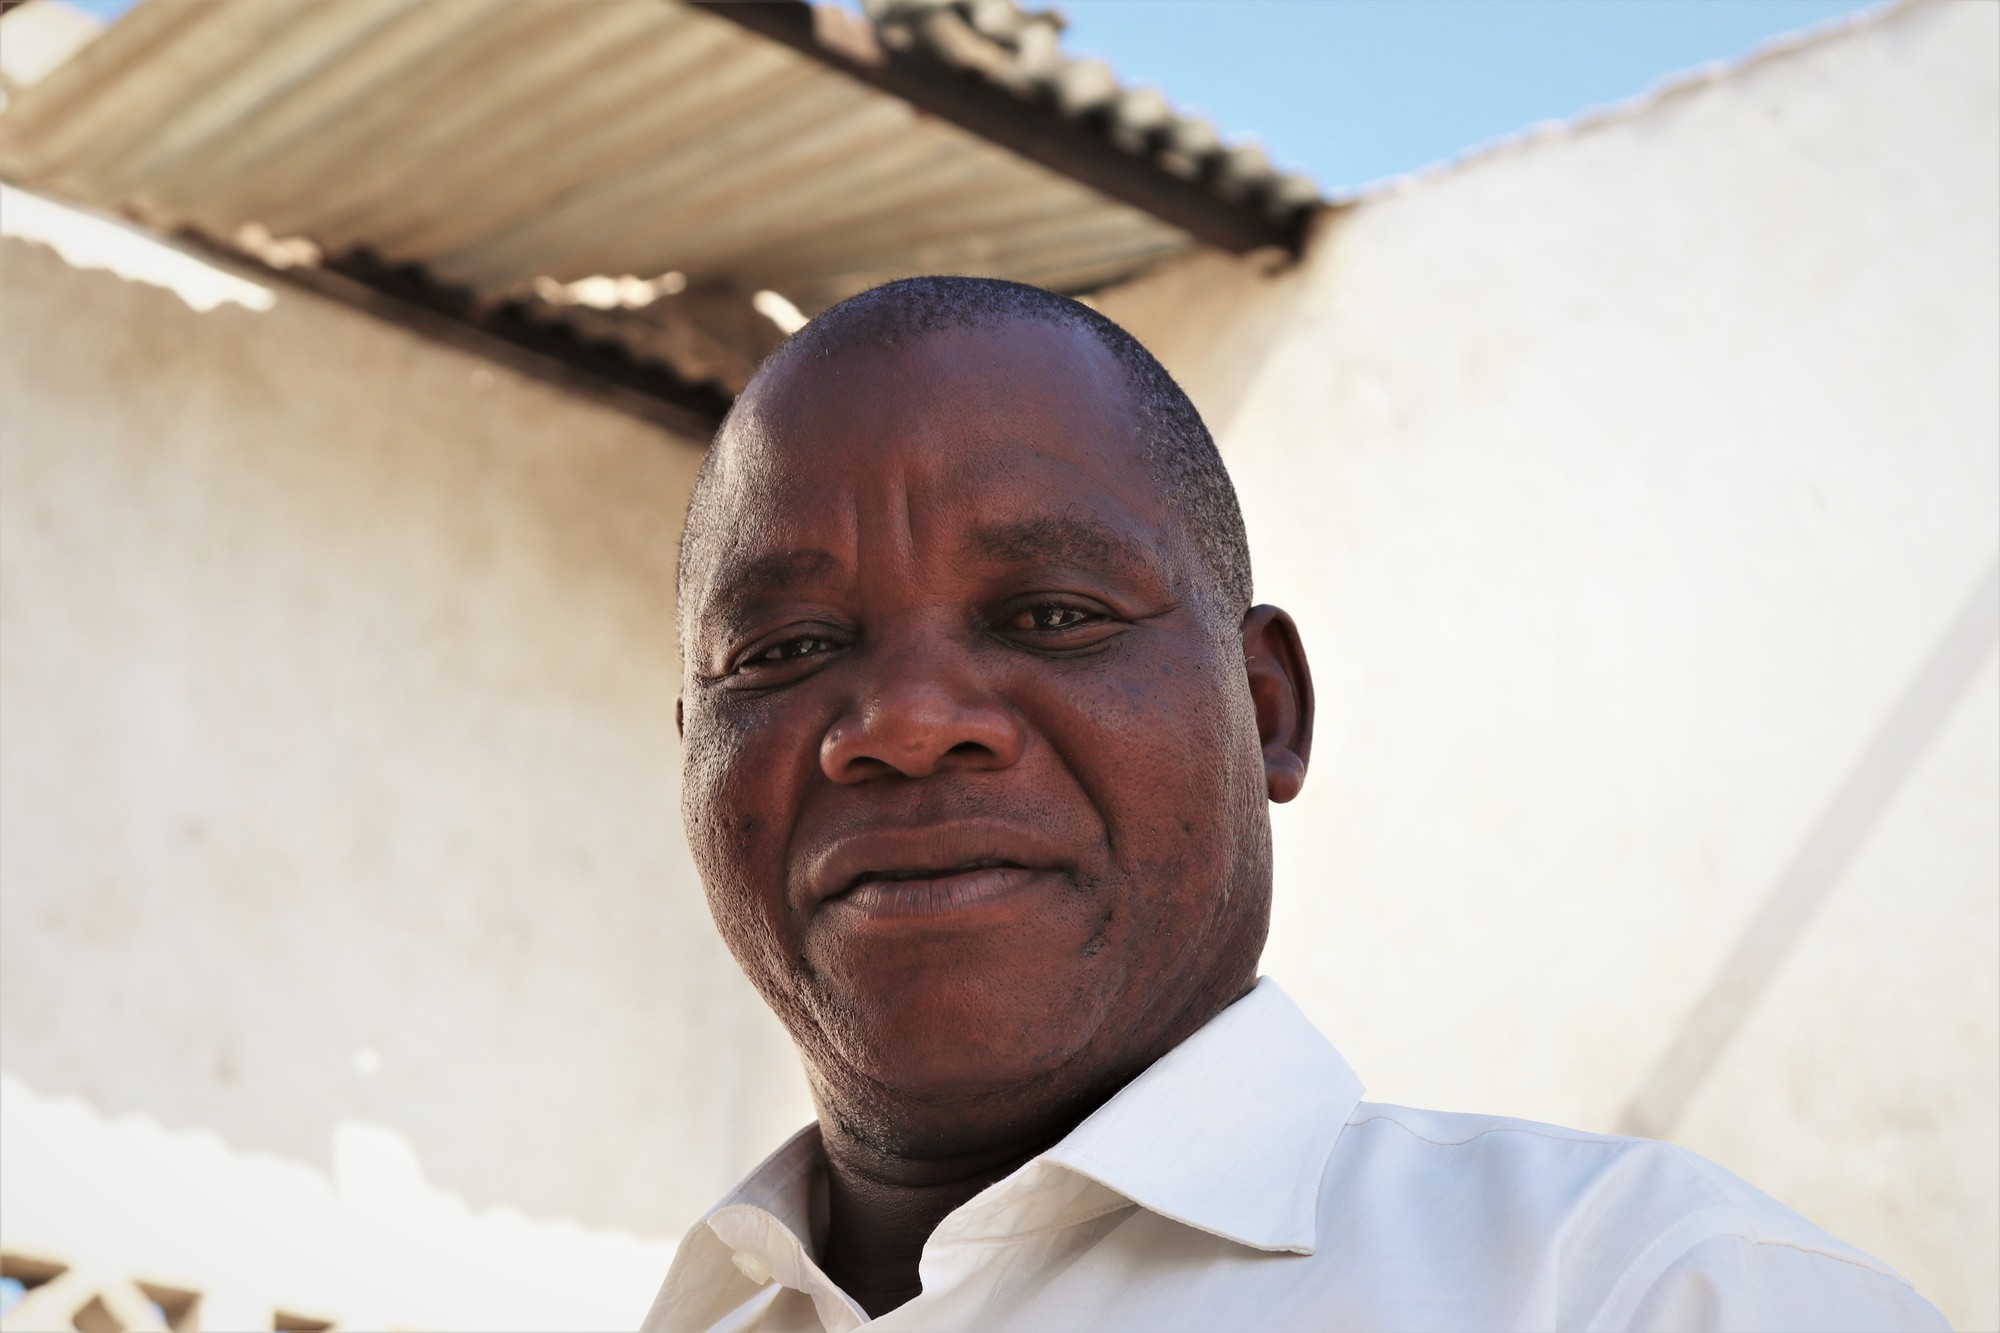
{"x": 958, "y": 1035}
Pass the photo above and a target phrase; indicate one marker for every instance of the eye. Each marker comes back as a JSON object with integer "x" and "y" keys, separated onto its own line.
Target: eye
{"x": 1052, "y": 616}
{"x": 790, "y": 655}
{"x": 1062, "y": 628}
{"x": 791, "y": 650}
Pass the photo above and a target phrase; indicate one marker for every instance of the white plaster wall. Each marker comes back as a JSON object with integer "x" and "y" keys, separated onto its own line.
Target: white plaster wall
{"x": 1623, "y": 481}
{"x": 338, "y": 798}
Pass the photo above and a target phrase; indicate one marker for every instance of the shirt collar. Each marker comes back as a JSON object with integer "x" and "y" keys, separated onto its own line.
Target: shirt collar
{"x": 759, "y": 1232}
{"x": 1229, "y": 1132}
{"x": 782, "y": 1184}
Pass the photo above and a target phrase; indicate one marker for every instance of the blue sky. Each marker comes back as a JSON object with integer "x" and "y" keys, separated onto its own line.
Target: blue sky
{"x": 1353, "y": 91}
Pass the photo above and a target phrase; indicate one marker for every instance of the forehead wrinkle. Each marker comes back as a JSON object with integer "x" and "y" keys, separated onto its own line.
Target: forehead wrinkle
{"x": 886, "y": 518}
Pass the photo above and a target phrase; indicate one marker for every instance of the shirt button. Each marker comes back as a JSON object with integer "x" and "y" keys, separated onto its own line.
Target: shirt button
{"x": 750, "y": 1266}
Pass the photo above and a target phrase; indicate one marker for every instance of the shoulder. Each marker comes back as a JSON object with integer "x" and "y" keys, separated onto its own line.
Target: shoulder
{"x": 1551, "y": 1167}
{"x": 1523, "y": 1178}
{"x": 1623, "y": 1229}
{"x": 1542, "y": 1166}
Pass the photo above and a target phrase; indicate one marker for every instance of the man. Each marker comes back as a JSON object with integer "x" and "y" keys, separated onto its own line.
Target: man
{"x": 980, "y": 728}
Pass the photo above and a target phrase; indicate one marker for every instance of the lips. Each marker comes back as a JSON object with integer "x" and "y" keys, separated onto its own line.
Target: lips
{"x": 947, "y": 861}
{"x": 963, "y": 896}
{"x": 930, "y": 872}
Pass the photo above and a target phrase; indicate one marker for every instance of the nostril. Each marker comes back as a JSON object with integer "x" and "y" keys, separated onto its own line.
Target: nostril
{"x": 916, "y": 731}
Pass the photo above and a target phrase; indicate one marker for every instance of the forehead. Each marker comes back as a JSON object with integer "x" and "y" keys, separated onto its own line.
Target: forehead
{"x": 1019, "y": 384}
{"x": 1005, "y": 422}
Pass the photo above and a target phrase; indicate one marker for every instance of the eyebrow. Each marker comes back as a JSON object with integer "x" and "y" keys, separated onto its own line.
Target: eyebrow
{"x": 1060, "y": 539}
{"x": 781, "y": 571}
{"x": 1052, "y": 539}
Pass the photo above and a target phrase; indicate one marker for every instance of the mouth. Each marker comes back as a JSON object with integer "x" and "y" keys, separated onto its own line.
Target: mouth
{"x": 927, "y": 870}
{"x": 928, "y": 875}
{"x": 933, "y": 891}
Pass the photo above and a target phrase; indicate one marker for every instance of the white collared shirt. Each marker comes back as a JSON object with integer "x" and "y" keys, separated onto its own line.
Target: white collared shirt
{"x": 1242, "y": 1184}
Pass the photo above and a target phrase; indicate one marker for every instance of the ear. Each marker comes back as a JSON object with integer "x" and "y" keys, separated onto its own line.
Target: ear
{"x": 680, "y": 717}
{"x": 1281, "y": 689}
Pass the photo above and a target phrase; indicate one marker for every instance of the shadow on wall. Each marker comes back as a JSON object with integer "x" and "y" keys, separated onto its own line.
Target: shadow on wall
{"x": 1822, "y": 860}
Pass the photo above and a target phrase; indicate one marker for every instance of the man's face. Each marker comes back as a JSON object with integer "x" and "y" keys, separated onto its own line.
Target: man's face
{"x": 973, "y": 773}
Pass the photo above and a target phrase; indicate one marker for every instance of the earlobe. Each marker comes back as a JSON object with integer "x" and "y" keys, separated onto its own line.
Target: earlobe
{"x": 1284, "y": 774}
{"x": 1281, "y": 690}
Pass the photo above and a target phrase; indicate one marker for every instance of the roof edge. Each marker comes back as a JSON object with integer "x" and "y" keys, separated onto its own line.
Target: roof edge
{"x": 502, "y": 332}
{"x": 1028, "y": 128}
{"x": 1671, "y": 88}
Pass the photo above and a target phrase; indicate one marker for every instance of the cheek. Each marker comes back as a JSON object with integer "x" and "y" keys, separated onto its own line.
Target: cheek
{"x": 741, "y": 772}
{"x": 1130, "y": 739}
{"x": 741, "y": 782}
{"x": 1182, "y": 832}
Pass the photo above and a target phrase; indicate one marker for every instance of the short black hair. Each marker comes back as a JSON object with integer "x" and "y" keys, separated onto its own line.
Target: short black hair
{"x": 1172, "y": 435}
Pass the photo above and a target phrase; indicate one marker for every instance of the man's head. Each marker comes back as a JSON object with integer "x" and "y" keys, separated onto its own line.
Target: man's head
{"x": 980, "y": 724}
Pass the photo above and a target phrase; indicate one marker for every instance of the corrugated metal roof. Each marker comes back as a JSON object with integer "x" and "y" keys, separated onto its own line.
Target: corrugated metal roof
{"x": 1020, "y": 50}
{"x": 490, "y": 143}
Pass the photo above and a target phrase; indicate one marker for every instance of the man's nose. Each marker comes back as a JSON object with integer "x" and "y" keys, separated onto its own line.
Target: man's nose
{"x": 923, "y": 713}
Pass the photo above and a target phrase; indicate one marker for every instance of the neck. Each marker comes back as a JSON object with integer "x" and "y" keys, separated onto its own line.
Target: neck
{"x": 886, "y": 1196}
{"x": 883, "y": 1208}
